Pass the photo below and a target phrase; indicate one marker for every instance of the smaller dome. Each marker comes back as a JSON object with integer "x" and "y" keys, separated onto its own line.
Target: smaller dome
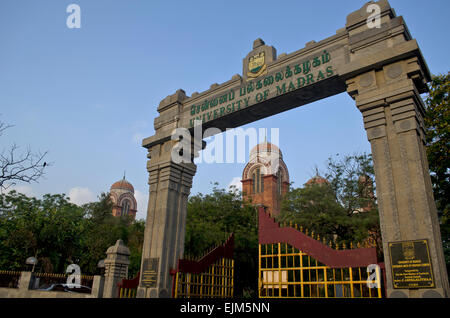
{"x": 317, "y": 180}
{"x": 123, "y": 185}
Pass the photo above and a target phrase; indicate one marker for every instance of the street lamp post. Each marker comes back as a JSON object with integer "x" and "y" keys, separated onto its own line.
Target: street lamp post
{"x": 32, "y": 261}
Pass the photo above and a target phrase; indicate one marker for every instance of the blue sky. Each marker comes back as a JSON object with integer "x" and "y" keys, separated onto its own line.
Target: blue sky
{"x": 89, "y": 95}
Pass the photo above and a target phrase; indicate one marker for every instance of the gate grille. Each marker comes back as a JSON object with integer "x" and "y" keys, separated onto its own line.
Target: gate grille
{"x": 293, "y": 264}
{"x": 285, "y": 271}
{"x": 210, "y": 277}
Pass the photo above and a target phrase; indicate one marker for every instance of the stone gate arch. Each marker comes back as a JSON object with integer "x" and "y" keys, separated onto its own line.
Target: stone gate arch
{"x": 382, "y": 69}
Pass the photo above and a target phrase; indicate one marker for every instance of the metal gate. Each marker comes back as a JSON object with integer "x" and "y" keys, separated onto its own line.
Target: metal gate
{"x": 211, "y": 276}
{"x": 127, "y": 288}
{"x": 295, "y": 265}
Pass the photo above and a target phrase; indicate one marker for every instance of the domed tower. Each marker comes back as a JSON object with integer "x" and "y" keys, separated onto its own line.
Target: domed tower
{"x": 122, "y": 197}
{"x": 317, "y": 180}
{"x": 265, "y": 179}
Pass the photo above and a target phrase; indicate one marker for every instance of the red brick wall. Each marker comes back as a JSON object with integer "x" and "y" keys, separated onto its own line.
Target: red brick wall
{"x": 270, "y": 198}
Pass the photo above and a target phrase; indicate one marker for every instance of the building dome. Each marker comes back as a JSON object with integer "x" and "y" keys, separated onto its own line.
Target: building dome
{"x": 122, "y": 197}
{"x": 317, "y": 180}
{"x": 265, "y": 147}
{"x": 268, "y": 158}
{"x": 122, "y": 185}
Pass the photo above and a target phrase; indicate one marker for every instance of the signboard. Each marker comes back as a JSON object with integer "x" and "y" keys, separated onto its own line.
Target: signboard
{"x": 150, "y": 272}
{"x": 263, "y": 86}
{"x": 271, "y": 279}
{"x": 411, "y": 265}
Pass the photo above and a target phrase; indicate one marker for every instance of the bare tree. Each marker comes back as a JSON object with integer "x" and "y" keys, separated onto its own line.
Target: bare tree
{"x": 19, "y": 167}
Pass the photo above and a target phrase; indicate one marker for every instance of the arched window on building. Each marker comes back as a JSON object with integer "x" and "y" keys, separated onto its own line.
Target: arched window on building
{"x": 279, "y": 181}
{"x": 258, "y": 181}
{"x": 125, "y": 207}
{"x": 262, "y": 182}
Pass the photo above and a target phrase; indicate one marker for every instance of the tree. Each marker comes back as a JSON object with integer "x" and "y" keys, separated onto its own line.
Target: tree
{"x": 437, "y": 124}
{"x": 24, "y": 167}
{"x": 342, "y": 209}
{"x": 48, "y": 229}
{"x": 59, "y": 233}
{"x": 352, "y": 180}
{"x": 102, "y": 230}
{"x": 211, "y": 219}
{"x": 135, "y": 243}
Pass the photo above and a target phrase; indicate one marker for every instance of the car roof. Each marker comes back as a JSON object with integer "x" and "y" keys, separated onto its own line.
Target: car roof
{"x": 68, "y": 285}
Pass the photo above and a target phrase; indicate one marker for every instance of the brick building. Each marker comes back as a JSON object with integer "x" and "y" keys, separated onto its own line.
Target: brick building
{"x": 265, "y": 178}
{"x": 122, "y": 197}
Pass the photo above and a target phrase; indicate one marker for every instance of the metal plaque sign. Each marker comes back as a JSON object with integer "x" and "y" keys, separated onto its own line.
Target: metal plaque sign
{"x": 411, "y": 265}
{"x": 150, "y": 272}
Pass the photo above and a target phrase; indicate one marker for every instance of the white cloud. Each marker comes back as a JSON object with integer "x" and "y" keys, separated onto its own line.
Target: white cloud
{"x": 24, "y": 189}
{"x": 142, "y": 201}
{"x": 80, "y": 195}
{"x": 237, "y": 183}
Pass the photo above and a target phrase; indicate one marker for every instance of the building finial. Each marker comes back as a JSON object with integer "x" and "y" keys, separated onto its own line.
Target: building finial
{"x": 124, "y": 174}
{"x": 257, "y": 43}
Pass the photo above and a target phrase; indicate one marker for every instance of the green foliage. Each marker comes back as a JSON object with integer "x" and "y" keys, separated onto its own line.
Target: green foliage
{"x": 445, "y": 233}
{"x": 437, "y": 123}
{"x": 211, "y": 219}
{"x": 59, "y": 233}
{"x": 103, "y": 230}
{"x": 344, "y": 175}
{"x": 49, "y": 229}
{"x": 333, "y": 209}
{"x": 135, "y": 243}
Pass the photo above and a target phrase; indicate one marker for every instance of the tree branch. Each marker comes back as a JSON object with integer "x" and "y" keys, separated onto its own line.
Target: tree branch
{"x": 27, "y": 167}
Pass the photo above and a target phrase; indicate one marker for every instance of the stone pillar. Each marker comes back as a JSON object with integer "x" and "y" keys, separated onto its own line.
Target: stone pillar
{"x": 169, "y": 188}
{"x": 25, "y": 280}
{"x": 170, "y": 185}
{"x": 97, "y": 286}
{"x": 116, "y": 268}
{"x": 389, "y": 100}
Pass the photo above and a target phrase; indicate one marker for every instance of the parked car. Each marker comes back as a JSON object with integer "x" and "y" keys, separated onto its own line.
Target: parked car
{"x": 68, "y": 288}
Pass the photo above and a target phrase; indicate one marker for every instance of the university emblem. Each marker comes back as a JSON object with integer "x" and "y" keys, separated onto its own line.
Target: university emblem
{"x": 408, "y": 250}
{"x": 256, "y": 65}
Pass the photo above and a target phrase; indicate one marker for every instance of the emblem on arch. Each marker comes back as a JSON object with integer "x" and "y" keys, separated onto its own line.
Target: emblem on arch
{"x": 257, "y": 65}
